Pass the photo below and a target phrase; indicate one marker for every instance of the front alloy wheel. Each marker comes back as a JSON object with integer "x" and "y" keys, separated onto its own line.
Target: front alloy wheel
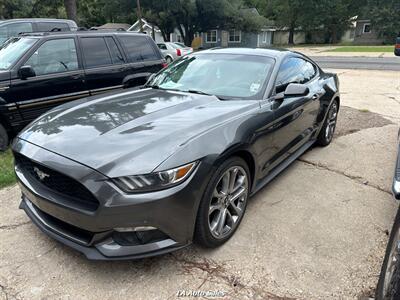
{"x": 224, "y": 203}
{"x": 228, "y": 202}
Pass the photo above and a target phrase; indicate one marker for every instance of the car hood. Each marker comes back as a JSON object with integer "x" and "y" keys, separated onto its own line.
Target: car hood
{"x": 129, "y": 133}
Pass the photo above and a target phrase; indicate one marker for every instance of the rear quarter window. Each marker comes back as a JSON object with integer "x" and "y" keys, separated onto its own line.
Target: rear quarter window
{"x": 49, "y": 26}
{"x": 138, "y": 48}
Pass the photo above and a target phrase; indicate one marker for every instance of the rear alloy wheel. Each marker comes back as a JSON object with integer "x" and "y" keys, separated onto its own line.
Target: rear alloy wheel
{"x": 224, "y": 203}
{"x": 3, "y": 138}
{"x": 328, "y": 129}
{"x": 169, "y": 60}
{"x": 389, "y": 280}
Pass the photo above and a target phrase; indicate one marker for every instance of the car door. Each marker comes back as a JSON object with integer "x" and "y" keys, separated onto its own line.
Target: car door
{"x": 295, "y": 116}
{"x": 105, "y": 67}
{"x": 58, "y": 78}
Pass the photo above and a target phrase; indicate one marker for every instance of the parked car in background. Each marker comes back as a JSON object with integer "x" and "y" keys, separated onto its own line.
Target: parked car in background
{"x": 389, "y": 279}
{"x": 41, "y": 70}
{"x": 186, "y": 49}
{"x": 397, "y": 46}
{"x": 172, "y": 51}
{"x": 148, "y": 171}
{"x": 13, "y": 27}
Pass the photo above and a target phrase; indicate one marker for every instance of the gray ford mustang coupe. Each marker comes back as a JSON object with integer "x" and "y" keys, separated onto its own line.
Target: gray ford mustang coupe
{"x": 147, "y": 171}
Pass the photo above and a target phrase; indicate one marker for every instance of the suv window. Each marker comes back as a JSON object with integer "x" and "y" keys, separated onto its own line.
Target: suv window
{"x": 138, "y": 48}
{"x": 17, "y": 28}
{"x": 116, "y": 55}
{"x": 95, "y": 52}
{"x": 54, "y": 56}
{"x": 49, "y": 26}
{"x": 294, "y": 70}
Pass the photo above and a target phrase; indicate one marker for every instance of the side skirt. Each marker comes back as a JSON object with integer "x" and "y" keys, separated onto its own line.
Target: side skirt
{"x": 282, "y": 166}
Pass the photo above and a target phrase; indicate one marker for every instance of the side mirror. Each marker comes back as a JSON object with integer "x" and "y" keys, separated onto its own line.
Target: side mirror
{"x": 296, "y": 89}
{"x": 26, "y": 71}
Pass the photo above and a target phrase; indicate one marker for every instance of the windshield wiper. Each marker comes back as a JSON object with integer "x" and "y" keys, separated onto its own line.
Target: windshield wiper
{"x": 204, "y": 93}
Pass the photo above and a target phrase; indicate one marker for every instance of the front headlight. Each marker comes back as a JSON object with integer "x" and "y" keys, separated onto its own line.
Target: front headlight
{"x": 154, "y": 181}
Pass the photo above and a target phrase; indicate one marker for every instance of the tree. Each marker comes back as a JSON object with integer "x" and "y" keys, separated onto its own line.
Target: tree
{"x": 385, "y": 18}
{"x": 70, "y": 7}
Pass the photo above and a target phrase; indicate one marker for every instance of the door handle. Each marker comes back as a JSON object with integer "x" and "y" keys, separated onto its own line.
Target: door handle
{"x": 76, "y": 76}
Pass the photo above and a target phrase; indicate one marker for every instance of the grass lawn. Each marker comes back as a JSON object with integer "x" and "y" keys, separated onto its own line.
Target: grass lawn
{"x": 363, "y": 49}
{"x": 7, "y": 176}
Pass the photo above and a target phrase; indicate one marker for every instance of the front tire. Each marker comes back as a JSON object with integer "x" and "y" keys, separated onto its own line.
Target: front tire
{"x": 223, "y": 204}
{"x": 389, "y": 279}
{"x": 328, "y": 128}
{"x": 3, "y": 138}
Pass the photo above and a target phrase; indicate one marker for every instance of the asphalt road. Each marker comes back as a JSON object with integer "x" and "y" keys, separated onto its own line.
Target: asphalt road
{"x": 364, "y": 63}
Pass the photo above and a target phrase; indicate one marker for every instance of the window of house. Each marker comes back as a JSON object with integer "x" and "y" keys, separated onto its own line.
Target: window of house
{"x": 367, "y": 28}
{"x": 95, "y": 52}
{"x": 211, "y": 36}
{"x": 235, "y": 36}
{"x": 54, "y": 56}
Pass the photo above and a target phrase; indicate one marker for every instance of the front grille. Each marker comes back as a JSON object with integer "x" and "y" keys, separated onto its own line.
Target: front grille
{"x": 67, "y": 230}
{"x": 56, "y": 182}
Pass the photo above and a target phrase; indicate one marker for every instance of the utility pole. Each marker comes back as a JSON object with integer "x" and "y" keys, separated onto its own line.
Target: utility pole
{"x": 139, "y": 14}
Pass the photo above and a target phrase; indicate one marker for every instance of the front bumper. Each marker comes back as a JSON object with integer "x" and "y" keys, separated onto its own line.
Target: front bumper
{"x": 92, "y": 232}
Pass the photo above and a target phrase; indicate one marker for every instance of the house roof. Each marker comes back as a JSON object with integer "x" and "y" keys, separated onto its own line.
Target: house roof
{"x": 115, "y": 26}
{"x": 135, "y": 26}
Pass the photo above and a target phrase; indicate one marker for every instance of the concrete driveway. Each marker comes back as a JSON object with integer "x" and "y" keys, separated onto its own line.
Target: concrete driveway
{"x": 318, "y": 231}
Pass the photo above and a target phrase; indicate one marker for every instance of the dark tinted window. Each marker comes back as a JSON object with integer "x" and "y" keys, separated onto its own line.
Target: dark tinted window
{"x": 95, "y": 52}
{"x": 116, "y": 55}
{"x": 294, "y": 70}
{"x": 49, "y": 26}
{"x": 54, "y": 56}
{"x": 138, "y": 48}
{"x": 162, "y": 46}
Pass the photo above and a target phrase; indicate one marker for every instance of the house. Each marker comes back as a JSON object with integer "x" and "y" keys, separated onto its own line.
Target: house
{"x": 148, "y": 29}
{"x": 236, "y": 38}
{"x": 365, "y": 34}
{"x": 232, "y": 37}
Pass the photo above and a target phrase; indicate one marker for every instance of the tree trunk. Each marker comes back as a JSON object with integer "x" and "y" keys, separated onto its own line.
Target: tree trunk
{"x": 70, "y": 7}
{"x": 291, "y": 34}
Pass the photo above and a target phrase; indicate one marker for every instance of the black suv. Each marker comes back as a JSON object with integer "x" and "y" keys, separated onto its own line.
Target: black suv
{"x": 13, "y": 27}
{"x": 42, "y": 70}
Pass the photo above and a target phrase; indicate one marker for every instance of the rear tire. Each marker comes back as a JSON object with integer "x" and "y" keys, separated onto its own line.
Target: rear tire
{"x": 223, "y": 204}
{"x": 169, "y": 60}
{"x": 389, "y": 280}
{"x": 3, "y": 139}
{"x": 328, "y": 128}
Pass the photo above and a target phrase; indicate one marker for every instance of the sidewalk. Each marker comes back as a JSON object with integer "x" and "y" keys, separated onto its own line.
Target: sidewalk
{"x": 324, "y": 51}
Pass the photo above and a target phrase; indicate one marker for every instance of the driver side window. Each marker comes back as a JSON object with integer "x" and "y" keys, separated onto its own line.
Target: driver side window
{"x": 294, "y": 70}
{"x": 54, "y": 56}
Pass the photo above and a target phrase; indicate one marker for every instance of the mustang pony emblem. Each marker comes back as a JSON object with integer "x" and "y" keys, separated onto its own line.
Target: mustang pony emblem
{"x": 42, "y": 175}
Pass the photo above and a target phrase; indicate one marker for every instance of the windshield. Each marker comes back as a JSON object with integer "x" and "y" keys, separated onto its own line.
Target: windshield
{"x": 12, "y": 50}
{"x": 226, "y": 76}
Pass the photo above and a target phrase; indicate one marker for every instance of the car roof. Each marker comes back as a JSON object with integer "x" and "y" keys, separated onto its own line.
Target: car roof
{"x": 269, "y": 52}
{"x": 36, "y": 20}
{"x": 79, "y": 33}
